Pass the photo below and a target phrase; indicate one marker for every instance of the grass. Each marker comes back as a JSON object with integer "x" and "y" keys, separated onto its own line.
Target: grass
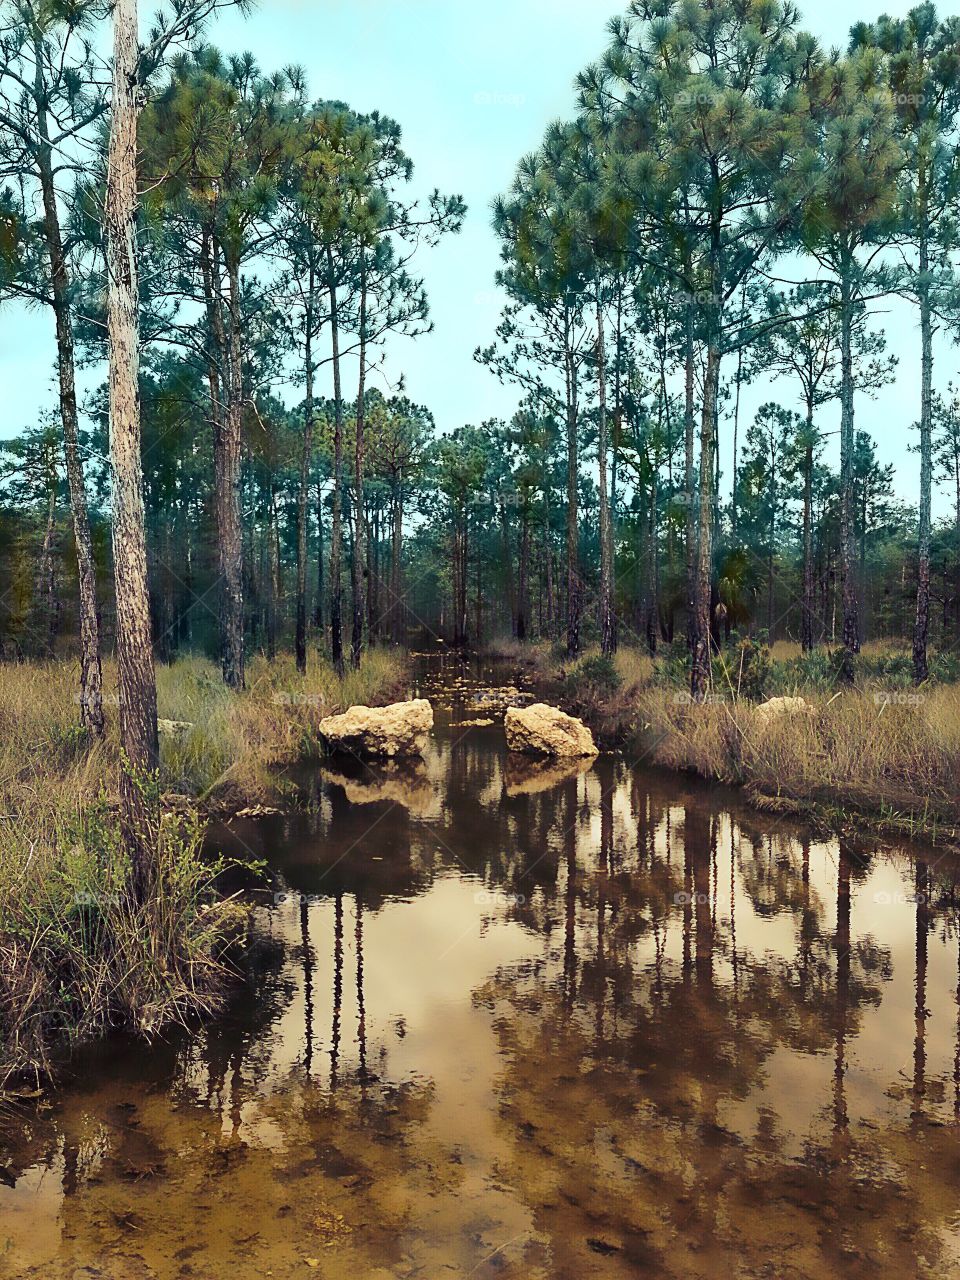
{"x": 76, "y": 956}
{"x": 228, "y": 755}
{"x": 881, "y": 752}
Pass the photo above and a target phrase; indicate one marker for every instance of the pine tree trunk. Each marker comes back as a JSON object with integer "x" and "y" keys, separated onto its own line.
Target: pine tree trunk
{"x": 606, "y": 567}
{"x": 851, "y": 621}
{"x": 336, "y": 525}
{"x": 653, "y": 584}
{"x": 273, "y": 561}
{"x": 506, "y": 552}
{"x": 318, "y": 609}
{"x": 359, "y": 533}
{"x": 373, "y": 579}
{"x": 701, "y": 666}
{"x": 136, "y": 679}
{"x": 573, "y": 539}
{"x": 523, "y": 574}
{"x": 91, "y": 678}
{"x": 922, "y": 622}
{"x": 229, "y": 524}
{"x": 396, "y": 567}
{"x": 688, "y": 498}
{"x": 806, "y": 621}
{"x": 303, "y": 495}
{"x": 548, "y": 565}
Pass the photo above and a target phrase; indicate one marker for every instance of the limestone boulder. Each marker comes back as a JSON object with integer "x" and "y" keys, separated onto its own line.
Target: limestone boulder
{"x": 780, "y": 708}
{"x": 542, "y": 730}
{"x": 174, "y": 728}
{"x": 400, "y": 729}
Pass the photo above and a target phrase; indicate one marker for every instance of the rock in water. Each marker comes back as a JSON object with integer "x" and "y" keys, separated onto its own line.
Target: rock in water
{"x": 398, "y": 730}
{"x": 547, "y": 731}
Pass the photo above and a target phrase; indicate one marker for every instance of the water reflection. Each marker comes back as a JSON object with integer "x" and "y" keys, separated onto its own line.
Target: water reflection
{"x": 585, "y": 1022}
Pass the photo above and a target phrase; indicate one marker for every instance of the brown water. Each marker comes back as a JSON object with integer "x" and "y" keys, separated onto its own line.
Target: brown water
{"x": 514, "y": 1022}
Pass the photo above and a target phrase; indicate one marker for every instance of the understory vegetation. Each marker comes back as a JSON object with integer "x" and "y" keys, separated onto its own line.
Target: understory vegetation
{"x": 882, "y": 751}
{"x": 77, "y": 954}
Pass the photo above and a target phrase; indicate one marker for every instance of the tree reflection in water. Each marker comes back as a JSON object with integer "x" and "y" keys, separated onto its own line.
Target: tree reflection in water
{"x": 591, "y": 1022}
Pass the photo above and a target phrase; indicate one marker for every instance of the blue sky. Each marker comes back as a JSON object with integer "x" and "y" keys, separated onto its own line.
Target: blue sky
{"x": 473, "y": 87}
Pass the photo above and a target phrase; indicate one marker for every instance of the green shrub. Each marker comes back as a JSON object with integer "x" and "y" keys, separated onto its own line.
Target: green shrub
{"x": 594, "y": 679}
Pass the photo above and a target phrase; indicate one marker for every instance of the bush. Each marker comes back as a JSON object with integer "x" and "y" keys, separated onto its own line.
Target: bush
{"x": 78, "y": 957}
{"x": 743, "y": 671}
{"x": 593, "y": 679}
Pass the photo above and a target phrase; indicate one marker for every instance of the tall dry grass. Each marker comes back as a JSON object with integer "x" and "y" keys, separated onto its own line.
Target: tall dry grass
{"x": 882, "y": 751}
{"x": 75, "y": 955}
{"x": 859, "y": 750}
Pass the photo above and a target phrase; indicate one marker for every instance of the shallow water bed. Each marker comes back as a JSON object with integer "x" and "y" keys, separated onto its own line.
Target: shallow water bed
{"x": 531, "y": 1023}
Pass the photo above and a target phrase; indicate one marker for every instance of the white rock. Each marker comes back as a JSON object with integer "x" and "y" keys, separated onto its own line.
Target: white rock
{"x": 776, "y": 708}
{"x": 547, "y": 731}
{"x": 173, "y": 728}
{"x": 400, "y": 729}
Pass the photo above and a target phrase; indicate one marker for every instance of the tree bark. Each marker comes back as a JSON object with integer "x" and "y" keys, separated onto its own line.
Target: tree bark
{"x": 136, "y": 678}
{"x": 573, "y": 552}
{"x": 700, "y": 677}
{"x": 303, "y": 494}
{"x": 336, "y": 524}
{"x": 851, "y": 620}
{"x": 922, "y": 621}
{"x": 91, "y": 677}
{"x": 396, "y": 566}
{"x": 806, "y": 621}
{"x": 359, "y": 568}
{"x": 689, "y": 505}
{"x": 523, "y": 572}
{"x": 606, "y": 547}
{"x": 230, "y": 529}
{"x": 273, "y": 562}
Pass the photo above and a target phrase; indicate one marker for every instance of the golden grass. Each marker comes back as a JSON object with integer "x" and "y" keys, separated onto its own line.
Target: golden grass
{"x": 236, "y": 739}
{"x": 75, "y": 955}
{"x": 858, "y": 751}
{"x": 888, "y": 753}
{"x": 47, "y": 764}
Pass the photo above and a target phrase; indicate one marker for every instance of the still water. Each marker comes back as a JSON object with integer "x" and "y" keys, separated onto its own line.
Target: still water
{"x": 530, "y": 1022}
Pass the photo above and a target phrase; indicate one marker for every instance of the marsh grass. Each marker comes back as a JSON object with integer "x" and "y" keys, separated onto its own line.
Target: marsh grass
{"x": 236, "y": 740}
{"x": 76, "y": 955}
{"x": 881, "y": 751}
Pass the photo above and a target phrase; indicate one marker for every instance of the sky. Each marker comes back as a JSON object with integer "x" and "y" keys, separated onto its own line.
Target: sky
{"x": 473, "y": 87}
